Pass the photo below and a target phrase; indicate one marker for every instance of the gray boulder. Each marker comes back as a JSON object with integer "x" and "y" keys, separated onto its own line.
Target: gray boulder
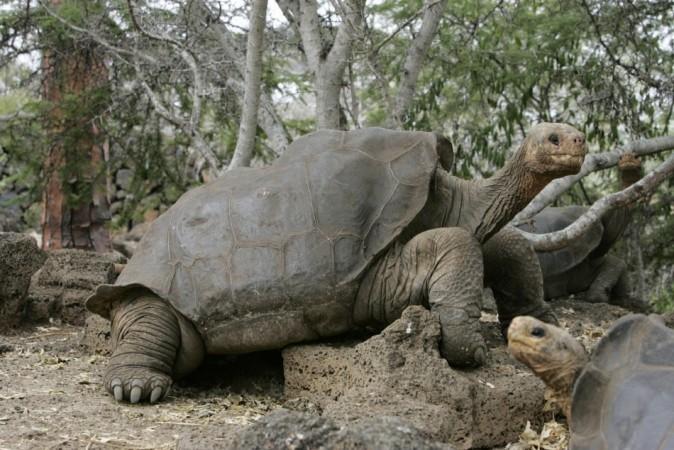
{"x": 10, "y": 212}
{"x": 285, "y": 429}
{"x": 20, "y": 257}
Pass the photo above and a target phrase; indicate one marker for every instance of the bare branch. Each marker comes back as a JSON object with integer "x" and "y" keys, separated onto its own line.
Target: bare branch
{"x": 310, "y": 32}
{"x": 186, "y": 127}
{"x": 251, "y": 97}
{"x": 190, "y": 127}
{"x": 99, "y": 39}
{"x": 558, "y": 239}
{"x": 592, "y": 163}
{"x": 402, "y": 26}
{"x": 629, "y": 68}
{"x": 291, "y": 11}
{"x": 16, "y": 115}
{"x": 269, "y": 119}
{"x": 416, "y": 54}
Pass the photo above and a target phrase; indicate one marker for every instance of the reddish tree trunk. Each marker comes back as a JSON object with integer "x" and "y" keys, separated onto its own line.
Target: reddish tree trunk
{"x": 75, "y": 205}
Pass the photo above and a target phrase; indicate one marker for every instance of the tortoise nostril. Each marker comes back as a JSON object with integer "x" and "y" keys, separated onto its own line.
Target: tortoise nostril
{"x": 579, "y": 139}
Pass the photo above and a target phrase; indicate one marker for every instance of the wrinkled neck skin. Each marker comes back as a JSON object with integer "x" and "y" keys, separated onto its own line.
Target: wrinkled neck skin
{"x": 481, "y": 207}
{"x": 560, "y": 380}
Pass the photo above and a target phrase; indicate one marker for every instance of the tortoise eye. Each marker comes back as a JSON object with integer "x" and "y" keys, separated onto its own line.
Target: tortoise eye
{"x": 554, "y": 138}
{"x": 538, "y": 332}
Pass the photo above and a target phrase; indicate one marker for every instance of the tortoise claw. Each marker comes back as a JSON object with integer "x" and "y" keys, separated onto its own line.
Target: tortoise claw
{"x": 134, "y": 396}
{"x": 156, "y": 394}
{"x": 118, "y": 390}
{"x": 137, "y": 385}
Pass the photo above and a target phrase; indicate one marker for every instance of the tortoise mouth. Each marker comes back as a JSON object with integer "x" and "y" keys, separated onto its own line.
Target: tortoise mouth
{"x": 518, "y": 344}
{"x": 630, "y": 166}
{"x": 567, "y": 162}
{"x": 571, "y": 159}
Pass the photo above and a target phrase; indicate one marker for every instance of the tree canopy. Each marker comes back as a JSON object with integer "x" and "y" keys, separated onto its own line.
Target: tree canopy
{"x": 479, "y": 72}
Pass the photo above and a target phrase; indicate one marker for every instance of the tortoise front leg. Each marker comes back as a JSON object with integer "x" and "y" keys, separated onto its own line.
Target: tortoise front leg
{"x": 153, "y": 345}
{"x": 440, "y": 268}
{"x": 512, "y": 271}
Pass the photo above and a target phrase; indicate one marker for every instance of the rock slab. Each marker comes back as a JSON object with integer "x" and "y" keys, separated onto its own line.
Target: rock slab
{"x": 400, "y": 373}
{"x": 20, "y": 258}
{"x": 58, "y": 290}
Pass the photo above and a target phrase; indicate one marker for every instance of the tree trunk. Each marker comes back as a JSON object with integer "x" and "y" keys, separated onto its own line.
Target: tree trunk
{"x": 75, "y": 206}
{"x": 328, "y": 68}
{"x": 251, "y": 97}
{"x": 414, "y": 61}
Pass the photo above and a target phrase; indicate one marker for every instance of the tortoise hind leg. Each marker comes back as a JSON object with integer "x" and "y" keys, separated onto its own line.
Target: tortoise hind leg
{"x": 611, "y": 285}
{"x": 153, "y": 345}
{"x": 512, "y": 271}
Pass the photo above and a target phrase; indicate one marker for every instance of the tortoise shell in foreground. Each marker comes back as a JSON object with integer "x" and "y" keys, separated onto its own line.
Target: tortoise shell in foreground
{"x": 624, "y": 397}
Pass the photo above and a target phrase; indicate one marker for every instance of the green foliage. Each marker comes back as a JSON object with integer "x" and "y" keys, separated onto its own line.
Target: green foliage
{"x": 663, "y": 302}
{"x": 495, "y": 68}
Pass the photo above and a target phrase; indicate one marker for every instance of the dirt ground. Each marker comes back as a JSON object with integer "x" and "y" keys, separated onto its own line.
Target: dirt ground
{"x": 51, "y": 396}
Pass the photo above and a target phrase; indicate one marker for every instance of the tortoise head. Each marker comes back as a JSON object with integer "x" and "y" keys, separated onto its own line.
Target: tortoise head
{"x": 629, "y": 167}
{"x": 553, "y": 150}
{"x": 549, "y": 351}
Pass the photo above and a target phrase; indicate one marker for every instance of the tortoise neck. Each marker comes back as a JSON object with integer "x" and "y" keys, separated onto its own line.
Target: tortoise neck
{"x": 503, "y": 195}
{"x": 481, "y": 207}
{"x": 561, "y": 379}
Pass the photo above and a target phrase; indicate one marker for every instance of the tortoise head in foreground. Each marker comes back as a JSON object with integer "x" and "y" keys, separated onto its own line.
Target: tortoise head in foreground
{"x": 550, "y": 352}
{"x": 553, "y": 150}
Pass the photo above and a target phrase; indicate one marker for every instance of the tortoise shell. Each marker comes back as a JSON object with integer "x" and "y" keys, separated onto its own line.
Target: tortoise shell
{"x": 283, "y": 246}
{"x": 624, "y": 397}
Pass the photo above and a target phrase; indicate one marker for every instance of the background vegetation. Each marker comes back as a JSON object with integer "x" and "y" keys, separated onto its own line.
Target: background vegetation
{"x": 167, "y": 107}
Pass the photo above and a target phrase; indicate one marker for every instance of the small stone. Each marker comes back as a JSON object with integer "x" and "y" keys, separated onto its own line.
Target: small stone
{"x": 124, "y": 179}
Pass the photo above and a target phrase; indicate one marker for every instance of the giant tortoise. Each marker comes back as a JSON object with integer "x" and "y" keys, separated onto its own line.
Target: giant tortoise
{"x": 343, "y": 231}
{"x": 622, "y": 397}
{"x": 583, "y": 265}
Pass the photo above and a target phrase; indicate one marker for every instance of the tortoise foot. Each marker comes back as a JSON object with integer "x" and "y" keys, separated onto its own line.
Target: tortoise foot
{"x": 147, "y": 339}
{"x": 137, "y": 384}
{"x": 463, "y": 345}
{"x": 633, "y": 304}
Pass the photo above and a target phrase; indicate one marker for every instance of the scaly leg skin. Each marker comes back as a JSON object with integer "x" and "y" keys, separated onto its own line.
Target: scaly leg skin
{"x": 440, "y": 268}
{"x": 514, "y": 274}
{"x": 153, "y": 345}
